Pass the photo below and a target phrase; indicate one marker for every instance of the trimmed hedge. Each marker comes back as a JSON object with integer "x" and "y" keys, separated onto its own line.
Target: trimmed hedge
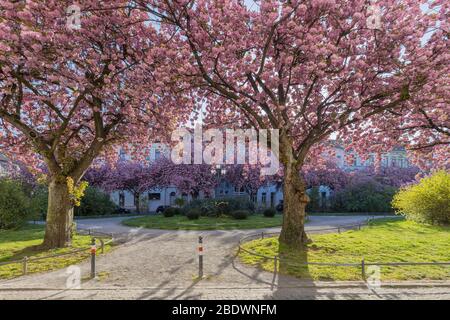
{"x": 170, "y": 212}
{"x": 240, "y": 214}
{"x": 193, "y": 214}
{"x": 269, "y": 213}
{"x": 223, "y": 206}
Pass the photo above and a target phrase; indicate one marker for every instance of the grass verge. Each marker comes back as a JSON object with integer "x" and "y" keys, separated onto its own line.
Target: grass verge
{"x": 16, "y": 244}
{"x": 203, "y": 223}
{"x": 384, "y": 240}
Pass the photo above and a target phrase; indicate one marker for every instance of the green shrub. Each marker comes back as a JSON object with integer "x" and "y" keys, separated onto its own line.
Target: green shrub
{"x": 367, "y": 196}
{"x": 39, "y": 202}
{"x": 240, "y": 214}
{"x": 180, "y": 202}
{"x": 223, "y": 206}
{"x": 207, "y": 211}
{"x": 95, "y": 203}
{"x": 193, "y": 214}
{"x": 314, "y": 200}
{"x": 14, "y": 205}
{"x": 170, "y": 212}
{"x": 426, "y": 202}
{"x": 269, "y": 212}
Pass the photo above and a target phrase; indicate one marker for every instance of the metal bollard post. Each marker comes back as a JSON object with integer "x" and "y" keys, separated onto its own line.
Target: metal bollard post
{"x": 262, "y": 235}
{"x": 200, "y": 257}
{"x": 339, "y": 229}
{"x": 363, "y": 269}
{"x": 93, "y": 253}
{"x": 25, "y": 265}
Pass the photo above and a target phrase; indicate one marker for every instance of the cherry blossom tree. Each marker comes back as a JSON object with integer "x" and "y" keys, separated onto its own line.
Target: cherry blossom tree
{"x": 134, "y": 177}
{"x": 70, "y": 93}
{"x": 247, "y": 177}
{"x": 97, "y": 175}
{"x": 309, "y": 68}
{"x": 191, "y": 179}
{"x": 329, "y": 175}
{"x": 425, "y": 133}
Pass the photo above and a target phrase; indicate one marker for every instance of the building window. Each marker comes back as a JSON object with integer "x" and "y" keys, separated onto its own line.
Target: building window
{"x": 323, "y": 199}
{"x": 157, "y": 154}
{"x": 154, "y": 196}
{"x": 272, "y": 199}
{"x": 239, "y": 190}
{"x": 394, "y": 162}
{"x": 403, "y": 163}
{"x": 253, "y": 198}
{"x": 172, "y": 198}
{"x": 263, "y": 198}
{"x": 121, "y": 199}
{"x": 122, "y": 154}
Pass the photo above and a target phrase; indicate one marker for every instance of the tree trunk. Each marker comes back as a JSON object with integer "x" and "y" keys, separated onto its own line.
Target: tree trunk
{"x": 58, "y": 230}
{"x": 294, "y": 205}
{"x": 295, "y": 199}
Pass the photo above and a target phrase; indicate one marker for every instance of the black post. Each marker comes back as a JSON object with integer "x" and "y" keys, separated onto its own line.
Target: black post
{"x": 200, "y": 257}
{"x": 93, "y": 253}
{"x": 363, "y": 269}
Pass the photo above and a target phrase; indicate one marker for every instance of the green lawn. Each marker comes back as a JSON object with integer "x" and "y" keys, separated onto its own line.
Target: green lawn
{"x": 384, "y": 240}
{"x": 203, "y": 223}
{"x": 16, "y": 244}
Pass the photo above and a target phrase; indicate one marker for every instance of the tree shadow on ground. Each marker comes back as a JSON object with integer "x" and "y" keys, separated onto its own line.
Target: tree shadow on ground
{"x": 286, "y": 287}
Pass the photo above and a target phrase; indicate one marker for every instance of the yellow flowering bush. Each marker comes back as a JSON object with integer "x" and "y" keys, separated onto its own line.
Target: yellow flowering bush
{"x": 427, "y": 201}
{"x": 76, "y": 192}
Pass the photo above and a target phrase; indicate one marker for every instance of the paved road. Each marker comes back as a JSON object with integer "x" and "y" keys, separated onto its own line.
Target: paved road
{"x": 158, "y": 264}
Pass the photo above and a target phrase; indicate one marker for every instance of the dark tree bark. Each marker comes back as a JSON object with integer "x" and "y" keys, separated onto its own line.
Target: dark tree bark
{"x": 294, "y": 205}
{"x": 59, "y": 225}
{"x": 295, "y": 198}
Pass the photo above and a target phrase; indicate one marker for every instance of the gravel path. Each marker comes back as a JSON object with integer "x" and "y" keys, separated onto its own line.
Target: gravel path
{"x": 160, "y": 264}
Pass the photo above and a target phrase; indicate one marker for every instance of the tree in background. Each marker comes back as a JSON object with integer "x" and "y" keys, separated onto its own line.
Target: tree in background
{"x": 308, "y": 68}
{"x": 72, "y": 92}
{"x": 327, "y": 174}
{"x": 14, "y": 204}
{"x": 247, "y": 177}
{"x": 188, "y": 179}
{"x": 130, "y": 176}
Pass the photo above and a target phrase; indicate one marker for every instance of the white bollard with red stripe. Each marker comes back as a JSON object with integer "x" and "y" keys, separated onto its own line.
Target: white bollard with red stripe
{"x": 200, "y": 257}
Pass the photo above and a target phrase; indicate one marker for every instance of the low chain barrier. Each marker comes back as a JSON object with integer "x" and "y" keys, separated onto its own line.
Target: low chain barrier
{"x": 98, "y": 237}
{"x": 363, "y": 264}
